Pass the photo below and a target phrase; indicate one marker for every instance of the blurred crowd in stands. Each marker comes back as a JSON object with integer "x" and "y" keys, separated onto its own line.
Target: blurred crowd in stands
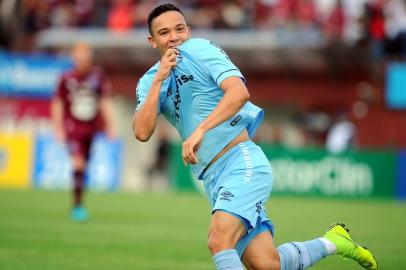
{"x": 379, "y": 25}
{"x": 381, "y": 22}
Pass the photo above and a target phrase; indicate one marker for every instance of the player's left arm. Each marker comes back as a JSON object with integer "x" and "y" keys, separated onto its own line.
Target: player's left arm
{"x": 57, "y": 111}
{"x": 235, "y": 96}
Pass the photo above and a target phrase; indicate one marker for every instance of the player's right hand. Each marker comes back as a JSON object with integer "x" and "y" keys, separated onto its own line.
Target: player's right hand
{"x": 167, "y": 63}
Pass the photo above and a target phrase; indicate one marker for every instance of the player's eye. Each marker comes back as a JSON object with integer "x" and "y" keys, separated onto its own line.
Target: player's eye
{"x": 180, "y": 29}
{"x": 163, "y": 33}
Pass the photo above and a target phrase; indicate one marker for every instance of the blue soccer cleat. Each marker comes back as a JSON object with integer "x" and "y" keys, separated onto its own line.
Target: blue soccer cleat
{"x": 79, "y": 214}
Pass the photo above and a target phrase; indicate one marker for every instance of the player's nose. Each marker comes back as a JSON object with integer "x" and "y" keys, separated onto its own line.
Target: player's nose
{"x": 174, "y": 36}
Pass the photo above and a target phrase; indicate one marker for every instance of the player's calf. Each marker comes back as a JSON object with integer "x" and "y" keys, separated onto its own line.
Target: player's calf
{"x": 264, "y": 265}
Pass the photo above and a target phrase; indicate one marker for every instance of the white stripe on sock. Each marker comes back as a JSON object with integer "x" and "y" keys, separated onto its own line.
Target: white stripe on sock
{"x": 330, "y": 247}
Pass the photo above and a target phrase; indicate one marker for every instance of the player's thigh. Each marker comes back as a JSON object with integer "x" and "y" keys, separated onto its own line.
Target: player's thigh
{"x": 261, "y": 253}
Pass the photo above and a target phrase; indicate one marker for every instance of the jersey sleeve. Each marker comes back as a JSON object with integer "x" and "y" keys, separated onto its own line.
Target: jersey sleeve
{"x": 216, "y": 61}
{"x": 143, "y": 86}
{"x": 141, "y": 95}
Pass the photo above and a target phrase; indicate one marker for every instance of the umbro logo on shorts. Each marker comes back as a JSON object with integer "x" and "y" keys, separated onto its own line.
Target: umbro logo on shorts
{"x": 226, "y": 196}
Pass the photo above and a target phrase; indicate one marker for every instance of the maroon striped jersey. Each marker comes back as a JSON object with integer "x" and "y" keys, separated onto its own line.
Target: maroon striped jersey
{"x": 80, "y": 95}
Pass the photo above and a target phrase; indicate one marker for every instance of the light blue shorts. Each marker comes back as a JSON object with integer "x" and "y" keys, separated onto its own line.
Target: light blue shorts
{"x": 239, "y": 183}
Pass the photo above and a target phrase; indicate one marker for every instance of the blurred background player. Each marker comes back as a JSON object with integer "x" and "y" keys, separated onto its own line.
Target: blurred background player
{"x": 342, "y": 135}
{"x": 81, "y": 106}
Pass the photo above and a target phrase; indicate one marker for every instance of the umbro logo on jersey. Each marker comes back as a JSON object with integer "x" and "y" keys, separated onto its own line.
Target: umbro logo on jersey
{"x": 170, "y": 92}
{"x": 179, "y": 58}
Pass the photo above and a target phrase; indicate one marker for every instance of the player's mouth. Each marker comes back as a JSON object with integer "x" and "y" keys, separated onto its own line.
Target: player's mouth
{"x": 175, "y": 45}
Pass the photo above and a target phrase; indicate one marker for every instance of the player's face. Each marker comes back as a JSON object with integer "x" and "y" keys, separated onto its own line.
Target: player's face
{"x": 83, "y": 58}
{"x": 168, "y": 30}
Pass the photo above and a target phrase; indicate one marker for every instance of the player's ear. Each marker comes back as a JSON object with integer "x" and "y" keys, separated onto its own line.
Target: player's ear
{"x": 151, "y": 41}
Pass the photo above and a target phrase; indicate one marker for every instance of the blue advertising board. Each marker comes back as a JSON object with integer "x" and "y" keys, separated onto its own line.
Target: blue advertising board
{"x": 401, "y": 175}
{"x": 27, "y": 75}
{"x": 104, "y": 167}
{"x": 395, "y": 92}
{"x": 53, "y": 168}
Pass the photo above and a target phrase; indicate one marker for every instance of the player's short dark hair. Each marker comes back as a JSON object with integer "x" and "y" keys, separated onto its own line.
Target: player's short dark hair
{"x": 158, "y": 10}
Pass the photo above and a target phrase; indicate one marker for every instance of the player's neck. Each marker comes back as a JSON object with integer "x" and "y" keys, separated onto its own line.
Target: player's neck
{"x": 82, "y": 72}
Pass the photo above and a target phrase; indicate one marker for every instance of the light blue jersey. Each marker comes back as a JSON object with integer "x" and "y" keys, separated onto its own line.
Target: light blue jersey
{"x": 192, "y": 92}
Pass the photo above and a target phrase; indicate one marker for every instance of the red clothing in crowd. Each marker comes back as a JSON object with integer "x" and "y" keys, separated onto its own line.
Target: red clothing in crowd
{"x": 121, "y": 16}
{"x": 376, "y": 25}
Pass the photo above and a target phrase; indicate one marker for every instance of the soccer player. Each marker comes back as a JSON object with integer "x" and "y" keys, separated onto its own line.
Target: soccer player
{"x": 80, "y": 107}
{"x": 203, "y": 95}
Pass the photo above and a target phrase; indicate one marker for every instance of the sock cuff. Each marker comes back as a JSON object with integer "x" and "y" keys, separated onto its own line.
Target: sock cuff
{"x": 227, "y": 259}
{"x": 224, "y": 252}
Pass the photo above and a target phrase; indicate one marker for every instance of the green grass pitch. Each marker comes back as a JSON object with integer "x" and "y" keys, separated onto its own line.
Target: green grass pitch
{"x": 168, "y": 231}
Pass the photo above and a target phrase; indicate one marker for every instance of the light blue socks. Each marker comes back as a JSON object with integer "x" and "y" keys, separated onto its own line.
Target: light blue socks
{"x": 293, "y": 256}
{"x": 301, "y": 255}
{"x": 227, "y": 260}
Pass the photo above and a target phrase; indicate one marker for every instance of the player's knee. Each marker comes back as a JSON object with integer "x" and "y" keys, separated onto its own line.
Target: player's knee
{"x": 219, "y": 241}
{"x": 224, "y": 232}
{"x": 79, "y": 163}
{"x": 215, "y": 242}
{"x": 213, "y": 245}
